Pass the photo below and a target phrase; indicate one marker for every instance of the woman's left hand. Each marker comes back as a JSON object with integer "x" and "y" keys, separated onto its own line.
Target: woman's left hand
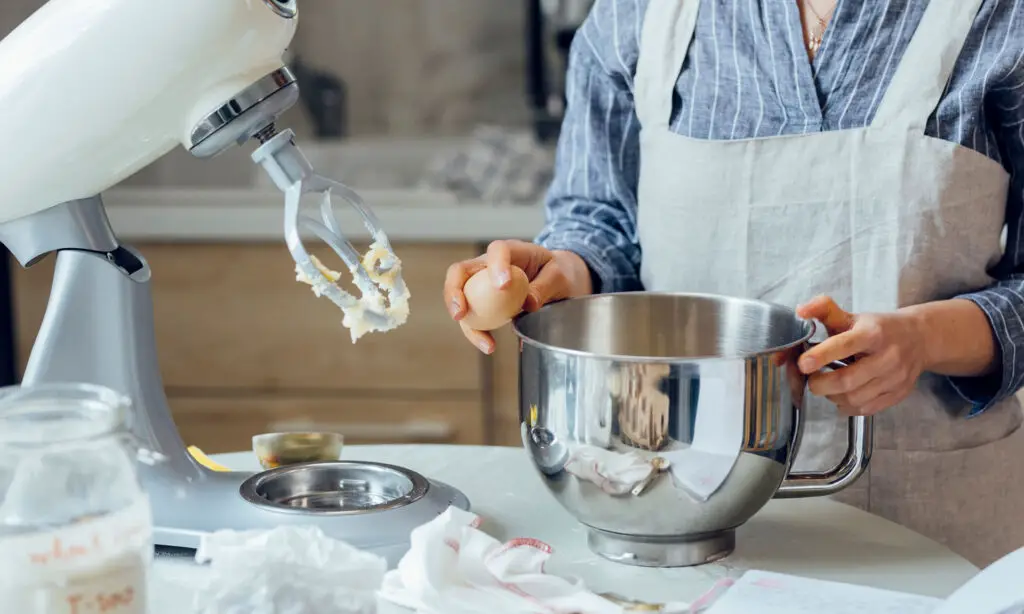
{"x": 889, "y": 350}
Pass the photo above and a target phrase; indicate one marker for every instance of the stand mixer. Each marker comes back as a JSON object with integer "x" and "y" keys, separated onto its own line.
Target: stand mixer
{"x": 95, "y": 91}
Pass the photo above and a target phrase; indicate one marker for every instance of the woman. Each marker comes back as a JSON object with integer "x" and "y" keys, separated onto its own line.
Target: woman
{"x": 872, "y": 163}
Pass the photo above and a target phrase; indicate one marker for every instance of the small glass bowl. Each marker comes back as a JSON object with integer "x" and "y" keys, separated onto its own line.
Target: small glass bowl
{"x": 279, "y": 449}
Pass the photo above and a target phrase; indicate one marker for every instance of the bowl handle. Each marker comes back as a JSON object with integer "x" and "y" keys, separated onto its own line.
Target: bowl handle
{"x": 855, "y": 462}
{"x": 860, "y": 443}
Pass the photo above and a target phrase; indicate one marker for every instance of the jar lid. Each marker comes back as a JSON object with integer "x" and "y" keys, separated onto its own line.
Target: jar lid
{"x": 54, "y": 413}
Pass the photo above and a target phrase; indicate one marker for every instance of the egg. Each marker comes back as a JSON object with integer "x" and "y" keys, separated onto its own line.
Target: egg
{"x": 490, "y": 308}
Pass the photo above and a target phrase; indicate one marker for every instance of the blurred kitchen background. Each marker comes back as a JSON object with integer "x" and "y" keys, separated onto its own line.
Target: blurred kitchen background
{"x": 443, "y": 114}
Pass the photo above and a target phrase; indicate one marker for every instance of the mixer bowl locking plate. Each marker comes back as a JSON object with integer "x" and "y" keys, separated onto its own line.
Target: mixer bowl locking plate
{"x": 335, "y": 487}
{"x": 371, "y": 506}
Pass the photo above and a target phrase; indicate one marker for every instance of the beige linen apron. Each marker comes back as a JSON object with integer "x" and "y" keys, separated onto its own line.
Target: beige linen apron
{"x": 878, "y": 218}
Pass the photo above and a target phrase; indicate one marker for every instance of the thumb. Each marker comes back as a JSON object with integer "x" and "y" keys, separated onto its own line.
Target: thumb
{"x": 499, "y": 263}
{"x": 549, "y": 285}
{"x": 826, "y": 311}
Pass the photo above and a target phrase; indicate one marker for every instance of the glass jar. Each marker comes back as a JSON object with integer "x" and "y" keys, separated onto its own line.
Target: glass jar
{"x": 75, "y": 525}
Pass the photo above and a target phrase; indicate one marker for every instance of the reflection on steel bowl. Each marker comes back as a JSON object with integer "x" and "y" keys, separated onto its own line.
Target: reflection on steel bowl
{"x": 663, "y": 422}
{"x": 280, "y": 449}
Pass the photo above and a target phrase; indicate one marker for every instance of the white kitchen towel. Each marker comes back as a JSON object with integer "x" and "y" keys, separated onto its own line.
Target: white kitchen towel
{"x": 614, "y": 472}
{"x": 290, "y": 569}
{"x": 453, "y": 567}
{"x": 702, "y": 468}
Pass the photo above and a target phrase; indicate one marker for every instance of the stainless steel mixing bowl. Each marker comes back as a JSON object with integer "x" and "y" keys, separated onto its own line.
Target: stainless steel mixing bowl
{"x": 625, "y": 372}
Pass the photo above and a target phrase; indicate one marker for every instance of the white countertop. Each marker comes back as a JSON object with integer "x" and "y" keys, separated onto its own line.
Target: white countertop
{"x": 254, "y": 214}
{"x": 816, "y": 538}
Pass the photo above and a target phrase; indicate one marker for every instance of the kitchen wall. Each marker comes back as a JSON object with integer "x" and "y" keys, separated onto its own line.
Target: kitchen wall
{"x": 412, "y": 67}
{"x": 421, "y": 67}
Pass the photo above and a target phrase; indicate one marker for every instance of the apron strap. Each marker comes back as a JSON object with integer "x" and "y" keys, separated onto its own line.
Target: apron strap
{"x": 927, "y": 64}
{"x": 664, "y": 40}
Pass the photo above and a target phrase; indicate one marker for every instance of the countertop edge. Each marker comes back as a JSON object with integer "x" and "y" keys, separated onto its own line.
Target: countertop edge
{"x": 244, "y": 215}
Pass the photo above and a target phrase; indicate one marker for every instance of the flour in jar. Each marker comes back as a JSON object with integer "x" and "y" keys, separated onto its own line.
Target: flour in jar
{"x": 98, "y": 565}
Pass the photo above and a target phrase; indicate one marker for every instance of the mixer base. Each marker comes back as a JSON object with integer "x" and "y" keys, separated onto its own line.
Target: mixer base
{"x": 661, "y": 552}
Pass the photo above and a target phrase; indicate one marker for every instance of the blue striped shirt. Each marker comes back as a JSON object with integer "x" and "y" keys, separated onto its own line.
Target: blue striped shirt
{"x": 742, "y": 80}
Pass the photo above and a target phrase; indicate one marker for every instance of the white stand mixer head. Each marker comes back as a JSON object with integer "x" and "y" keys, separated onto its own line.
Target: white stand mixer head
{"x": 94, "y": 91}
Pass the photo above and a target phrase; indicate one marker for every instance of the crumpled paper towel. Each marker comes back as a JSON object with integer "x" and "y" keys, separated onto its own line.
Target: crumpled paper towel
{"x": 453, "y": 567}
{"x": 616, "y": 473}
{"x": 286, "y": 570}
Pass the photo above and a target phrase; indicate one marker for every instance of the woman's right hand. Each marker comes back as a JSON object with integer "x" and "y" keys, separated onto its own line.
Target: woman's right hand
{"x": 553, "y": 275}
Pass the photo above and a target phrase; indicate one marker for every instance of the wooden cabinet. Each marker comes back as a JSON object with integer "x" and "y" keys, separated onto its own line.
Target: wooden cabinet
{"x": 228, "y": 424}
{"x": 244, "y": 349}
{"x": 233, "y": 316}
{"x": 503, "y": 389}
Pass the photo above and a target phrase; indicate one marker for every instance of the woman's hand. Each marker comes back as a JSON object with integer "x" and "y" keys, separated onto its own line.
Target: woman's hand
{"x": 553, "y": 275}
{"x": 890, "y": 351}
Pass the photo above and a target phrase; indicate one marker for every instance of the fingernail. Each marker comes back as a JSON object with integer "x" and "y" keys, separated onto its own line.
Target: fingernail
{"x": 501, "y": 278}
{"x": 455, "y": 308}
{"x": 808, "y": 364}
{"x": 484, "y": 347}
{"x": 532, "y": 302}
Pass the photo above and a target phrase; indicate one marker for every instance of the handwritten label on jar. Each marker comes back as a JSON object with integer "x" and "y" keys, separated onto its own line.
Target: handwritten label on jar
{"x": 95, "y": 566}
{"x": 118, "y": 588}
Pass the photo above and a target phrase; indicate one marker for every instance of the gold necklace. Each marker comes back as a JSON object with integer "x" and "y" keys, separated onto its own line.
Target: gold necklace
{"x": 818, "y": 33}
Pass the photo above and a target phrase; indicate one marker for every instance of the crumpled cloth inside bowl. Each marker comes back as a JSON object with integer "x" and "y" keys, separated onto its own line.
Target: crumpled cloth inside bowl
{"x": 616, "y": 473}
